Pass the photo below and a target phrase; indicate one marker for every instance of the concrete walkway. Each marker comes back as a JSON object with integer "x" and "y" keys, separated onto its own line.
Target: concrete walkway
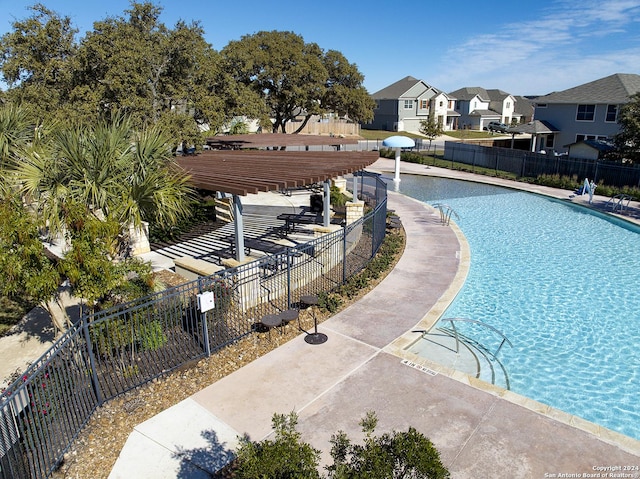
{"x": 481, "y": 431}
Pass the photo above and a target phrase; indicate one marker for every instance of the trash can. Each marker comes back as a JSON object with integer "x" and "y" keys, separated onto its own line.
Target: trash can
{"x": 316, "y": 203}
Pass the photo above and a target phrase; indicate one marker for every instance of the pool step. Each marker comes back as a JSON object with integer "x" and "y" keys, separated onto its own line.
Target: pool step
{"x": 439, "y": 345}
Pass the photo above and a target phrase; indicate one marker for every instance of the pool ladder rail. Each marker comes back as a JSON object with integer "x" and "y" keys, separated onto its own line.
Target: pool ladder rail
{"x": 618, "y": 203}
{"x": 490, "y": 358}
{"x": 445, "y": 213}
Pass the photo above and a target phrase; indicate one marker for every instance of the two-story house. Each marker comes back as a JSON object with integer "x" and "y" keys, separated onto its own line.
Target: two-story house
{"x": 402, "y": 105}
{"x": 477, "y": 107}
{"x": 585, "y": 112}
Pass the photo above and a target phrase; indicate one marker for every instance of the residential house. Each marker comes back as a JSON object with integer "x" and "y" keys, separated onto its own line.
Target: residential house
{"x": 477, "y": 107}
{"x": 523, "y": 112}
{"x": 585, "y": 112}
{"x": 402, "y": 105}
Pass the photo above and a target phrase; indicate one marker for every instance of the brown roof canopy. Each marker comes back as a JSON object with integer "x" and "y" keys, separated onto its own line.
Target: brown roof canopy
{"x": 241, "y": 172}
{"x": 267, "y": 140}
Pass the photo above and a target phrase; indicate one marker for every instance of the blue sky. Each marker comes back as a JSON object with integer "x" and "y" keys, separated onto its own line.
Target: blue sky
{"x": 524, "y": 47}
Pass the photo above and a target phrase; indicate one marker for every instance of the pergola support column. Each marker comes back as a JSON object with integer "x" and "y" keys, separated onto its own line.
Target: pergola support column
{"x": 326, "y": 204}
{"x": 238, "y": 228}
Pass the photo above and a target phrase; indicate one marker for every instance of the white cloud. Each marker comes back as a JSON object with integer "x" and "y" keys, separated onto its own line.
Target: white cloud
{"x": 566, "y": 46}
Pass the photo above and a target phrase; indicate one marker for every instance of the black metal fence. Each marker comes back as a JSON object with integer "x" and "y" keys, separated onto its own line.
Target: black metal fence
{"x": 113, "y": 351}
{"x": 531, "y": 164}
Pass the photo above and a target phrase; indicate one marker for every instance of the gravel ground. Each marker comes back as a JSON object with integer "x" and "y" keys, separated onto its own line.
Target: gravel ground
{"x": 95, "y": 451}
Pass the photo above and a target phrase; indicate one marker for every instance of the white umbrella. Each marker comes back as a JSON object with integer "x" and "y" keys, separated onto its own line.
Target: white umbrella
{"x": 397, "y": 142}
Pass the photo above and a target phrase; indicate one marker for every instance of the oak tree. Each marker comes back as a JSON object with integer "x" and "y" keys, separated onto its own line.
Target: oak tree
{"x": 294, "y": 78}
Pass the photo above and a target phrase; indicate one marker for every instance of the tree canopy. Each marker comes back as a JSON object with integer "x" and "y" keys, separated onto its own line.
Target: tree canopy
{"x": 431, "y": 128}
{"x": 627, "y": 142}
{"x": 171, "y": 76}
{"x": 294, "y": 78}
{"x": 36, "y": 59}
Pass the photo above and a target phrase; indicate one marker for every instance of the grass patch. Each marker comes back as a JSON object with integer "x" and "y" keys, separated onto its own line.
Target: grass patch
{"x": 12, "y": 310}
{"x": 469, "y": 134}
{"x": 383, "y": 134}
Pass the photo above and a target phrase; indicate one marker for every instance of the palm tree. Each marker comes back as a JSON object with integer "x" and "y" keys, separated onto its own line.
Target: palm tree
{"x": 115, "y": 172}
{"x": 16, "y": 132}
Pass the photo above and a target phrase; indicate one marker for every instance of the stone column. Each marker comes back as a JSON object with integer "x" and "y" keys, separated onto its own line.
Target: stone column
{"x": 355, "y": 210}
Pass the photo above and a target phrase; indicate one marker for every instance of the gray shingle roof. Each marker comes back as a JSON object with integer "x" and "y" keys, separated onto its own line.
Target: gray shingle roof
{"x": 497, "y": 95}
{"x": 395, "y": 90}
{"x": 523, "y": 106}
{"x": 535, "y": 127}
{"x": 487, "y": 113}
{"x": 468, "y": 93}
{"x": 616, "y": 88}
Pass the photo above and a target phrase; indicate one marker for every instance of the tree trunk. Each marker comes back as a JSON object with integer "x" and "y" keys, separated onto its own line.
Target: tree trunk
{"x": 304, "y": 123}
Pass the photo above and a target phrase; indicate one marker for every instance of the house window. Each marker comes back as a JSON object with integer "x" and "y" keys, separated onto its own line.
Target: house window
{"x": 441, "y": 103}
{"x": 585, "y": 137}
{"x": 408, "y": 104}
{"x": 549, "y": 141}
{"x": 612, "y": 113}
{"x": 586, "y": 112}
{"x": 424, "y": 104}
{"x": 541, "y": 105}
{"x": 508, "y": 104}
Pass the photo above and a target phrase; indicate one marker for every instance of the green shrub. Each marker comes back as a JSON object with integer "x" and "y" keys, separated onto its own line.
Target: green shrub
{"x": 151, "y": 336}
{"x": 283, "y": 457}
{"x": 406, "y": 156}
{"x": 119, "y": 334}
{"x": 329, "y": 302}
{"x": 397, "y": 454}
{"x": 337, "y": 198}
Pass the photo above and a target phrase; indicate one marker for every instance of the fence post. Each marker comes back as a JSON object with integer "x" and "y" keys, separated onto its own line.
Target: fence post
{"x": 524, "y": 162}
{"x": 92, "y": 361}
{"x": 288, "y": 277}
{"x": 373, "y": 233}
{"x": 205, "y": 332}
{"x": 205, "y": 326}
{"x": 344, "y": 253}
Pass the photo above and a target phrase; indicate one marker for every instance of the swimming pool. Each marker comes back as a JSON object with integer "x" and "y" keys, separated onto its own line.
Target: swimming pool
{"x": 563, "y": 284}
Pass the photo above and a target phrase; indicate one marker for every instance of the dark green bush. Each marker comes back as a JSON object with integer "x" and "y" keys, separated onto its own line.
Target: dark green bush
{"x": 337, "y": 198}
{"x": 393, "y": 455}
{"x": 284, "y": 457}
{"x": 397, "y": 454}
{"x": 329, "y": 302}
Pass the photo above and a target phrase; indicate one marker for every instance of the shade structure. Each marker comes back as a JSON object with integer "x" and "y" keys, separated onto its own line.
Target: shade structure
{"x": 397, "y": 142}
{"x": 534, "y": 128}
{"x": 240, "y": 172}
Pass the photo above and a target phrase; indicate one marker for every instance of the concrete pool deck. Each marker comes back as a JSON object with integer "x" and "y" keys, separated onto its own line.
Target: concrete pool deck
{"x": 481, "y": 431}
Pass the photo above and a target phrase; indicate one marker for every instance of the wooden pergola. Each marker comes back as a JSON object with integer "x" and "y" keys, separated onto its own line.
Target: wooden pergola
{"x": 276, "y": 140}
{"x": 241, "y": 172}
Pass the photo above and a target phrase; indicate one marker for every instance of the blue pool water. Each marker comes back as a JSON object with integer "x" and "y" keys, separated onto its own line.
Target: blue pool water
{"x": 563, "y": 284}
